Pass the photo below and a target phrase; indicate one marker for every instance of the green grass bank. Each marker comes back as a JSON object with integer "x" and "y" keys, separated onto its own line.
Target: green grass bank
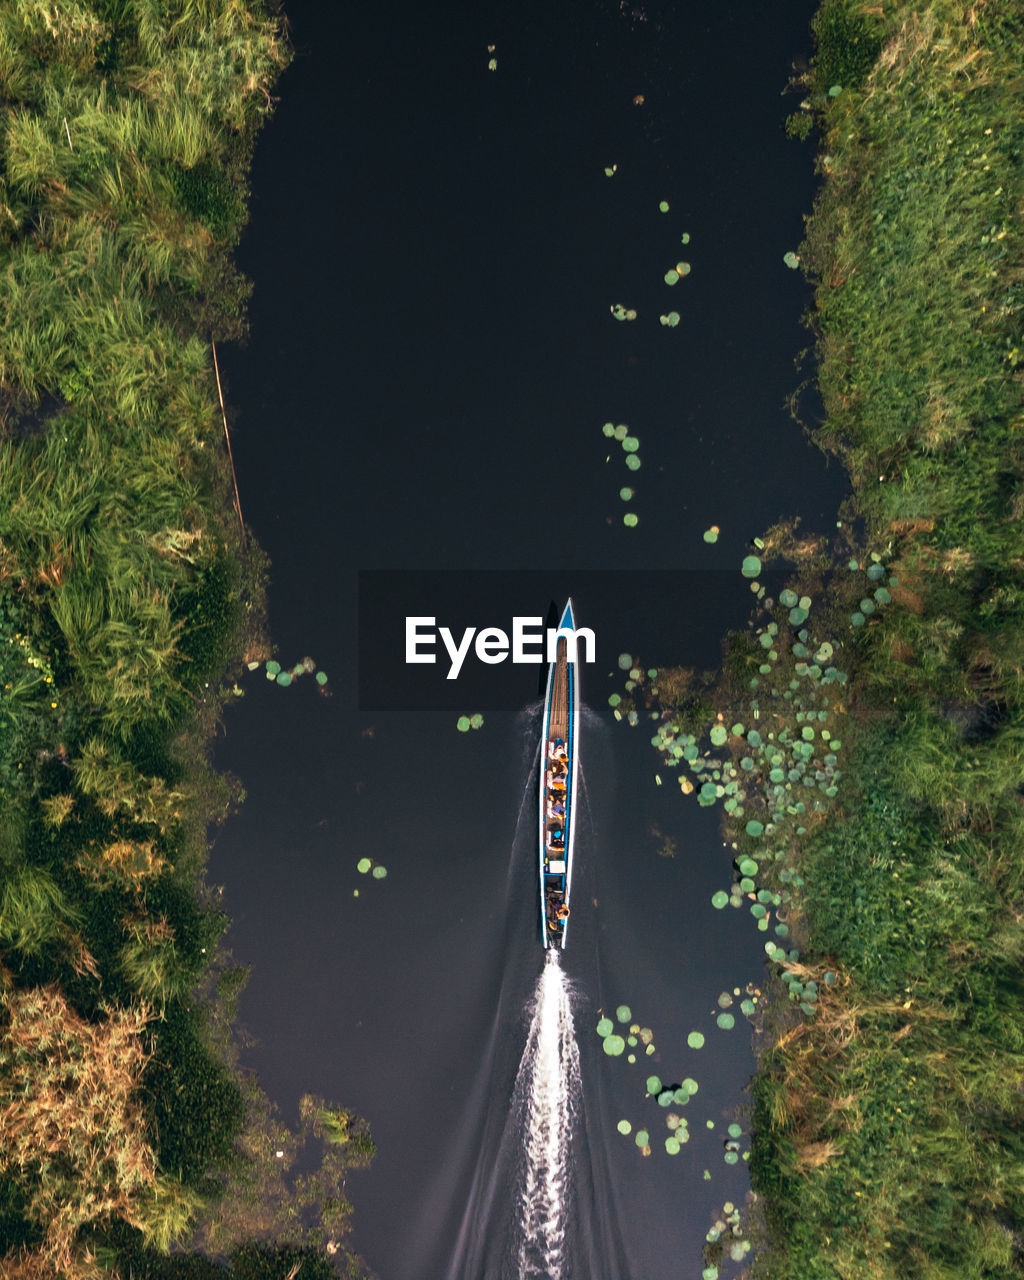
{"x": 129, "y": 598}
{"x": 866, "y": 738}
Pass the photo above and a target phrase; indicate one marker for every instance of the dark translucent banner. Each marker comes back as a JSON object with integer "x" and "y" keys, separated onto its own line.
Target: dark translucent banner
{"x": 487, "y": 631}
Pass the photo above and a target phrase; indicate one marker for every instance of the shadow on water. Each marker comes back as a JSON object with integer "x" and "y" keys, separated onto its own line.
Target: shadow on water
{"x": 523, "y": 1188}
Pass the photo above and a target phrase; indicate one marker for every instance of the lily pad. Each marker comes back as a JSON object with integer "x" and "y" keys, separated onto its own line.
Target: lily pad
{"x": 379, "y": 872}
{"x": 791, "y": 260}
{"x": 363, "y": 865}
{"x": 751, "y": 566}
{"x": 624, "y": 1013}
{"x": 630, "y": 520}
{"x": 633, "y": 462}
{"x": 614, "y": 1045}
{"x": 672, "y": 276}
{"x": 695, "y": 1040}
{"x": 624, "y": 1127}
{"x": 711, "y": 535}
{"x": 284, "y": 678}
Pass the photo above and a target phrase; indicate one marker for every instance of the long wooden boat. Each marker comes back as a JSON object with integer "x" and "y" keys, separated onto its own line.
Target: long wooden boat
{"x": 559, "y": 766}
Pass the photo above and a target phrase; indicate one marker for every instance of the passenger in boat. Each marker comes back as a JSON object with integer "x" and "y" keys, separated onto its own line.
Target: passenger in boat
{"x": 558, "y": 809}
{"x": 563, "y": 912}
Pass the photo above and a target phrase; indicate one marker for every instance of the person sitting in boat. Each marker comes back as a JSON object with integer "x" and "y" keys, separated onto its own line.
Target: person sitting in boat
{"x": 560, "y": 752}
{"x": 558, "y": 809}
{"x": 558, "y": 784}
{"x": 563, "y": 912}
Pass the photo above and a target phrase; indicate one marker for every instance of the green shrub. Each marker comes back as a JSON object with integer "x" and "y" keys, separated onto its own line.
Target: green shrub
{"x": 847, "y": 44}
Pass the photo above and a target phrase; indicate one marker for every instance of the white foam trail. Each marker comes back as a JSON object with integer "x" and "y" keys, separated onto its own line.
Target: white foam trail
{"x": 547, "y": 1095}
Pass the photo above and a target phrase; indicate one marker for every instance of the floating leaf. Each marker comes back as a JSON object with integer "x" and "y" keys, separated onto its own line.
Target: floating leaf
{"x": 605, "y": 1027}
{"x": 695, "y": 1039}
{"x": 621, "y": 431}
{"x": 663, "y": 206}
{"x": 252, "y": 665}
{"x": 284, "y": 678}
{"x": 751, "y": 566}
{"x": 726, "y": 1021}
{"x": 754, "y": 828}
{"x": 720, "y": 899}
{"x": 633, "y": 462}
{"x": 642, "y": 1137}
{"x": 711, "y": 535}
{"x": 719, "y": 733}
{"x": 624, "y": 1127}
{"x": 625, "y": 661}
{"x": 685, "y": 238}
{"x": 321, "y": 677}
{"x": 476, "y": 720}
{"x": 623, "y": 1013}
{"x": 683, "y": 268}
{"x": 630, "y": 520}
{"x": 462, "y": 724}
{"x": 672, "y": 1146}
{"x": 654, "y": 1084}
{"x": 379, "y": 872}
{"x": 614, "y": 1045}
{"x": 791, "y": 260}
{"x": 631, "y": 444}
{"x": 609, "y": 170}
{"x": 672, "y": 277}
{"x": 363, "y": 865}
{"x": 672, "y": 319}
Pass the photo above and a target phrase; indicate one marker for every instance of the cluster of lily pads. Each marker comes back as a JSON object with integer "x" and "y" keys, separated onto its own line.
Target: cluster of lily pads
{"x": 673, "y": 275}
{"x": 748, "y": 998}
{"x": 622, "y": 313}
{"x": 615, "y": 1045}
{"x": 465, "y": 723}
{"x": 726, "y": 1236}
{"x": 732, "y": 1147}
{"x": 669, "y": 1095}
{"x": 878, "y": 575}
{"x": 368, "y": 866}
{"x": 635, "y": 677}
{"x": 284, "y": 676}
{"x": 630, "y": 447}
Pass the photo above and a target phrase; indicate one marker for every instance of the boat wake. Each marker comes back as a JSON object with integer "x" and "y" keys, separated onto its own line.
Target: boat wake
{"x": 546, "y": 1098}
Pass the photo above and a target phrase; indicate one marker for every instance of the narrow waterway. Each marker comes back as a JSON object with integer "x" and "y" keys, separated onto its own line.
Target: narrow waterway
{"x": 436, "y": 249}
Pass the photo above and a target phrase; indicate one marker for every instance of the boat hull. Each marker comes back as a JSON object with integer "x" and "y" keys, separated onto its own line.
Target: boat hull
{"x": 558, "y": 769}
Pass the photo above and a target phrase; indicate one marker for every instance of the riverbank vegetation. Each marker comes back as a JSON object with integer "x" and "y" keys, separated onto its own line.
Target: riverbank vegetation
{"x": 129, "y": 598}
{"x": 885, "y": 868}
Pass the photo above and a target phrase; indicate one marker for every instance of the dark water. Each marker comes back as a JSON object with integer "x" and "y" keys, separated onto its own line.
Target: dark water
{"x": 435, "y": 249}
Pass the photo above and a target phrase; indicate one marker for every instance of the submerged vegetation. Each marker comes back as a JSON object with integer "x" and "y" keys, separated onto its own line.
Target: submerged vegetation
{"x": 865, "y": 738}
{"x": 129, "y": 600}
